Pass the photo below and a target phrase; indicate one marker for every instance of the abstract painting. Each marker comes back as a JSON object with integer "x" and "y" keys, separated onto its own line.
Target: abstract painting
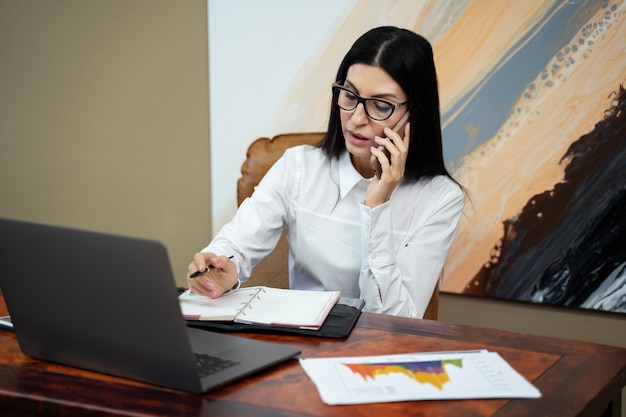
{"x": 532, "y": 102}
{"x": 544, "y": 157}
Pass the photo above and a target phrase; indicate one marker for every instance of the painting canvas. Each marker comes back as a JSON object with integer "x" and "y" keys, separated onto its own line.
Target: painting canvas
{"x": 543, "y": 153}
{"x": 532, "y": 105}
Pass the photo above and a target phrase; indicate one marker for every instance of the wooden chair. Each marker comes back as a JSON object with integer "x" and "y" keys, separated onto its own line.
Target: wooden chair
{"x": 273, "y": 271}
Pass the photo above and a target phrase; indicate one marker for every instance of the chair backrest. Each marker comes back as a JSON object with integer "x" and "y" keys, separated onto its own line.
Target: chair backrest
{"x": 263, "y": 153}
{"x": 273, "y": 271}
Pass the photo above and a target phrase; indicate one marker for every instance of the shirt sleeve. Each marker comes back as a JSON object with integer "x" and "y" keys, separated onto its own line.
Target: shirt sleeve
{"x": 258, "y": 223}
{"x": 398, "y": 276}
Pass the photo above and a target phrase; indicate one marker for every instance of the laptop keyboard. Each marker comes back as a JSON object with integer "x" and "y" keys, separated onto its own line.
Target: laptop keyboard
{"x": 208, "y": 365}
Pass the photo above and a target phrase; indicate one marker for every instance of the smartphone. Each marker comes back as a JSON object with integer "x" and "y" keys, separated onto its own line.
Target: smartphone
{"x": 398, "y": 128}
{"x": 6, "y": 323}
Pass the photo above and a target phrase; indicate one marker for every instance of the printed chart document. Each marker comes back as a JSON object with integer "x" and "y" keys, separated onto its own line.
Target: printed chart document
{"x": 418, "y": 376}
{"x": 262, "y": 305}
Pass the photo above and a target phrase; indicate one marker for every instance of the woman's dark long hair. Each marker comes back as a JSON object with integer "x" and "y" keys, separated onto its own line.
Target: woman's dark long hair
{"x": 408, "y": 58}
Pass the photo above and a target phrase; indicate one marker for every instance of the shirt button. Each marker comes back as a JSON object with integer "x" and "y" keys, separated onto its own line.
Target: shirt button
{"x": 373, "y": 256}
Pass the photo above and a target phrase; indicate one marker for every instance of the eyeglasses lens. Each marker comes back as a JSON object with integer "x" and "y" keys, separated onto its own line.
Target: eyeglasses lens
{"x": 375, "y": 108}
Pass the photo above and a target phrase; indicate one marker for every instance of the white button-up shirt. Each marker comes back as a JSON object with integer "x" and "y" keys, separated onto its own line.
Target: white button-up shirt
{"x": 390, "y": 256}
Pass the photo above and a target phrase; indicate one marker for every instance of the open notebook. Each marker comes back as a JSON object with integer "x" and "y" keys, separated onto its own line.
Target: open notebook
{"x": 262, "y": 305}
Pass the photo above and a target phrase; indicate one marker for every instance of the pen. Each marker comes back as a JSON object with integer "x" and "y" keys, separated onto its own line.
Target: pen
{"x": 208, "y": 268}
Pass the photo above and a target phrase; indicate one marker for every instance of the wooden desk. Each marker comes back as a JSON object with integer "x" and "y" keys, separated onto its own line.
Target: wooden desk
{"x": 575, "y": 378}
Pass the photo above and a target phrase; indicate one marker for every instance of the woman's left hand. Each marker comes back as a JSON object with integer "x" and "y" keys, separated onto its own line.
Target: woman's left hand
{"x": 380, "y": 189}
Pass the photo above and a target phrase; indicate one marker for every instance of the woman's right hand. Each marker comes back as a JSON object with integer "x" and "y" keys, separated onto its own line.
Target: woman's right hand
{"x": 391, "y": 169}
{"x": 220, "y": 277}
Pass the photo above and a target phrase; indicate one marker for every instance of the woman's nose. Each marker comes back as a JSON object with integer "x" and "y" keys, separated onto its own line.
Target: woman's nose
{"x": 359, "y": 116}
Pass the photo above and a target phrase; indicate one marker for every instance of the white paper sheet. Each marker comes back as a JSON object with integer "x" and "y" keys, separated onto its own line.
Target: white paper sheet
{"x": 418, "y": 376}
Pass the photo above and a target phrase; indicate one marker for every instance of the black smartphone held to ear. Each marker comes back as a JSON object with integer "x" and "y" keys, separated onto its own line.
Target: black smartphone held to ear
{"x": 398, "y": 128}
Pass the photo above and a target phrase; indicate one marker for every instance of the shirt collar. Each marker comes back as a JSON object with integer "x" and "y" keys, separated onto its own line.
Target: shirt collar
{"x": 348, "y": 175}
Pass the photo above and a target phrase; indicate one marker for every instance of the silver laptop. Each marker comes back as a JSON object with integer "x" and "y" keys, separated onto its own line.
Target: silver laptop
{"x": 109, "y": 303}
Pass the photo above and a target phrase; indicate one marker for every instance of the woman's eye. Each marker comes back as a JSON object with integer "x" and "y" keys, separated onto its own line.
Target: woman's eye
{"x": 349, "y": 96}
{"x": 382, "y": 106}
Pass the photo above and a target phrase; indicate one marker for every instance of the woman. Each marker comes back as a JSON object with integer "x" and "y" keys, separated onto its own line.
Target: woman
{"x": 370, "y": 211}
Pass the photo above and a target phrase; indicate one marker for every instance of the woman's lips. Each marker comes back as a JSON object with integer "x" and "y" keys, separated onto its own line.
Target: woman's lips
{"x": 358, "y": 139}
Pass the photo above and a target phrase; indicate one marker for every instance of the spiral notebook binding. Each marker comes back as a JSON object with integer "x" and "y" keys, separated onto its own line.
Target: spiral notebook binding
{"x": 248, "y": 304}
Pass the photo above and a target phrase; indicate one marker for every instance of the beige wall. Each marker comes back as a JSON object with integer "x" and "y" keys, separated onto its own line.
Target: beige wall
{"x": 104, "y": 124}
{"x": 104, "y": 118}
{"x": 591, "y": 326}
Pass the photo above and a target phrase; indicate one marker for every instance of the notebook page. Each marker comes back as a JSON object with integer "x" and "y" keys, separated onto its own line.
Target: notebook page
{"x": 289, "y": 308}
{"x": 224, "y": 308}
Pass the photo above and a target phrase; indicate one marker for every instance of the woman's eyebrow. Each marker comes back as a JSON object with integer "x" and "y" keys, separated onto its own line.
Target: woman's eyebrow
{"x": 347, "y": 83}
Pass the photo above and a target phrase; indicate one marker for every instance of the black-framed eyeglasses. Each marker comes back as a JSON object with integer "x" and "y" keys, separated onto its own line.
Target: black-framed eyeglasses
{"x": 375, "y": 108}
